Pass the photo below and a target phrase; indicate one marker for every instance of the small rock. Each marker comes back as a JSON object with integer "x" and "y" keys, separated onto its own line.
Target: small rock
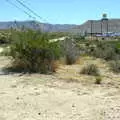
{"x": 39, "y": 113}
{"x": 17, "y": 98}
{"x": 73, "y": 105}
{"x": 13, "y": 86}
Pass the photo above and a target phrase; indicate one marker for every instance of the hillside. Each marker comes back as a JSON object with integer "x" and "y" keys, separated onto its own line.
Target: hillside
{"x": 36, "y": 26}
{"x": 113, "y": 26}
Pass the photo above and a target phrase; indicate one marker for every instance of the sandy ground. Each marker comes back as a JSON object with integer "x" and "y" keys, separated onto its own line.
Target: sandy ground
{"x": 1, "y": 50}
{"x": 66, "y": 95}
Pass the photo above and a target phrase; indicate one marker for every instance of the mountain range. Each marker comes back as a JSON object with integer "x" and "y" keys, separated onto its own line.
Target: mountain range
{"x": 46, "y": 27}
{"x": 113, "y": 25}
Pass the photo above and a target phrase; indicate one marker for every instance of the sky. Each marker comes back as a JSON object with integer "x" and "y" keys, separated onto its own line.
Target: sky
{"x": 60, "y": 11}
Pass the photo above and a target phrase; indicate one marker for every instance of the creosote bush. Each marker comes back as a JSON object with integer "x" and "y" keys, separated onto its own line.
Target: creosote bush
{"x": 32, "y": 52}
{"x": 90, "y": 69}
{"x": 115, "y": 66}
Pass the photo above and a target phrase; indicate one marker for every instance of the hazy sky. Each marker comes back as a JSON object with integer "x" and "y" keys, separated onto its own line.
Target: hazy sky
{"x": 61, "y": 11}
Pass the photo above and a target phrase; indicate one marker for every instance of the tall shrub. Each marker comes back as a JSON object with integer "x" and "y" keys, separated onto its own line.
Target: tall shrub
{"x": 32, "y": 51}
{"x": 71, "y": 51}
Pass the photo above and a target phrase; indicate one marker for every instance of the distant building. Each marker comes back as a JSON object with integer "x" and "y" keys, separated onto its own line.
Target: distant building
{"x": 105, "y": 26}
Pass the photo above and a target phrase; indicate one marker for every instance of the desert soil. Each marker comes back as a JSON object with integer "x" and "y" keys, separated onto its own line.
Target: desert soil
{"x": 65, "y": 95}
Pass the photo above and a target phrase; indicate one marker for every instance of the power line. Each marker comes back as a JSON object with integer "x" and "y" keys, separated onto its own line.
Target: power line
{"x": 31, "y": 16}
{"x": 33, "y": 12}
{"x": 20, "y": 9}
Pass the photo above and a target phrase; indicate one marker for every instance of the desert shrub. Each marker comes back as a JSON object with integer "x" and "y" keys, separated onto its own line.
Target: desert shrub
{"x": 31, "y": 51}
{"x": 71, "y": 52}
{"x": 98, "y": 80}
{"x": 90, "y": 69}
{"x": 79, "y": 38}
{"x": 4, "y": 37}
{"x": 115, "y": 66}
{"x": 70, "y": 59}
{"x": 105, "y": 51}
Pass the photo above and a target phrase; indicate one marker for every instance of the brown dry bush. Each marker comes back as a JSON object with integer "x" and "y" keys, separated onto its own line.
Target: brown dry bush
{"x": 90, "y": 69}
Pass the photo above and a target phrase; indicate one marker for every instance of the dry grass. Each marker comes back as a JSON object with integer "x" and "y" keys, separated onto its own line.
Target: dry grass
{"x": 70, "y": 73}
{"x": 90, "y": 69}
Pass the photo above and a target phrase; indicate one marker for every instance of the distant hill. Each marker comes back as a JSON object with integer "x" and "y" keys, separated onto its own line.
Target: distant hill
{"x": 36, "y": 26}
{"x": 113, "y": 26}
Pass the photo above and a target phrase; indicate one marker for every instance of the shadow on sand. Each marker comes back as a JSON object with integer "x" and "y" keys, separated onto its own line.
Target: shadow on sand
{"x": 11, "y": 70}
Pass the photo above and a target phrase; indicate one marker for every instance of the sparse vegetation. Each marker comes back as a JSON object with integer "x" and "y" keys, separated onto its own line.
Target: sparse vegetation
{"x": 105, "y": 51}
{"x": 79, "y": 38}
{"x": 31, "y": 51}
{"x": 4, "y": 37}
{"x": 90, "y": 69}
{"x": 115, "y": 66}
{"x": 55, "y": 35}
{"x": 71, "y": 51}
{"x": 98, "y": 80}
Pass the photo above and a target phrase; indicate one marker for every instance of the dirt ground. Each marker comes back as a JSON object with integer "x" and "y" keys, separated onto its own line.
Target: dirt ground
{"x": 65, "y": 95}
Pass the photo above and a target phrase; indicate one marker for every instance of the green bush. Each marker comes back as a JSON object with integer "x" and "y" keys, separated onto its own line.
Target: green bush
{"x": 105, "y": 51}
{"x": 31, "y": 51}
{"x": 90, "y": 69}
{"x": 4, "y": 37}
{"x": 79, "y": 38}
{"x": 98, "y": 80}
{"x": 115, "y": 66}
